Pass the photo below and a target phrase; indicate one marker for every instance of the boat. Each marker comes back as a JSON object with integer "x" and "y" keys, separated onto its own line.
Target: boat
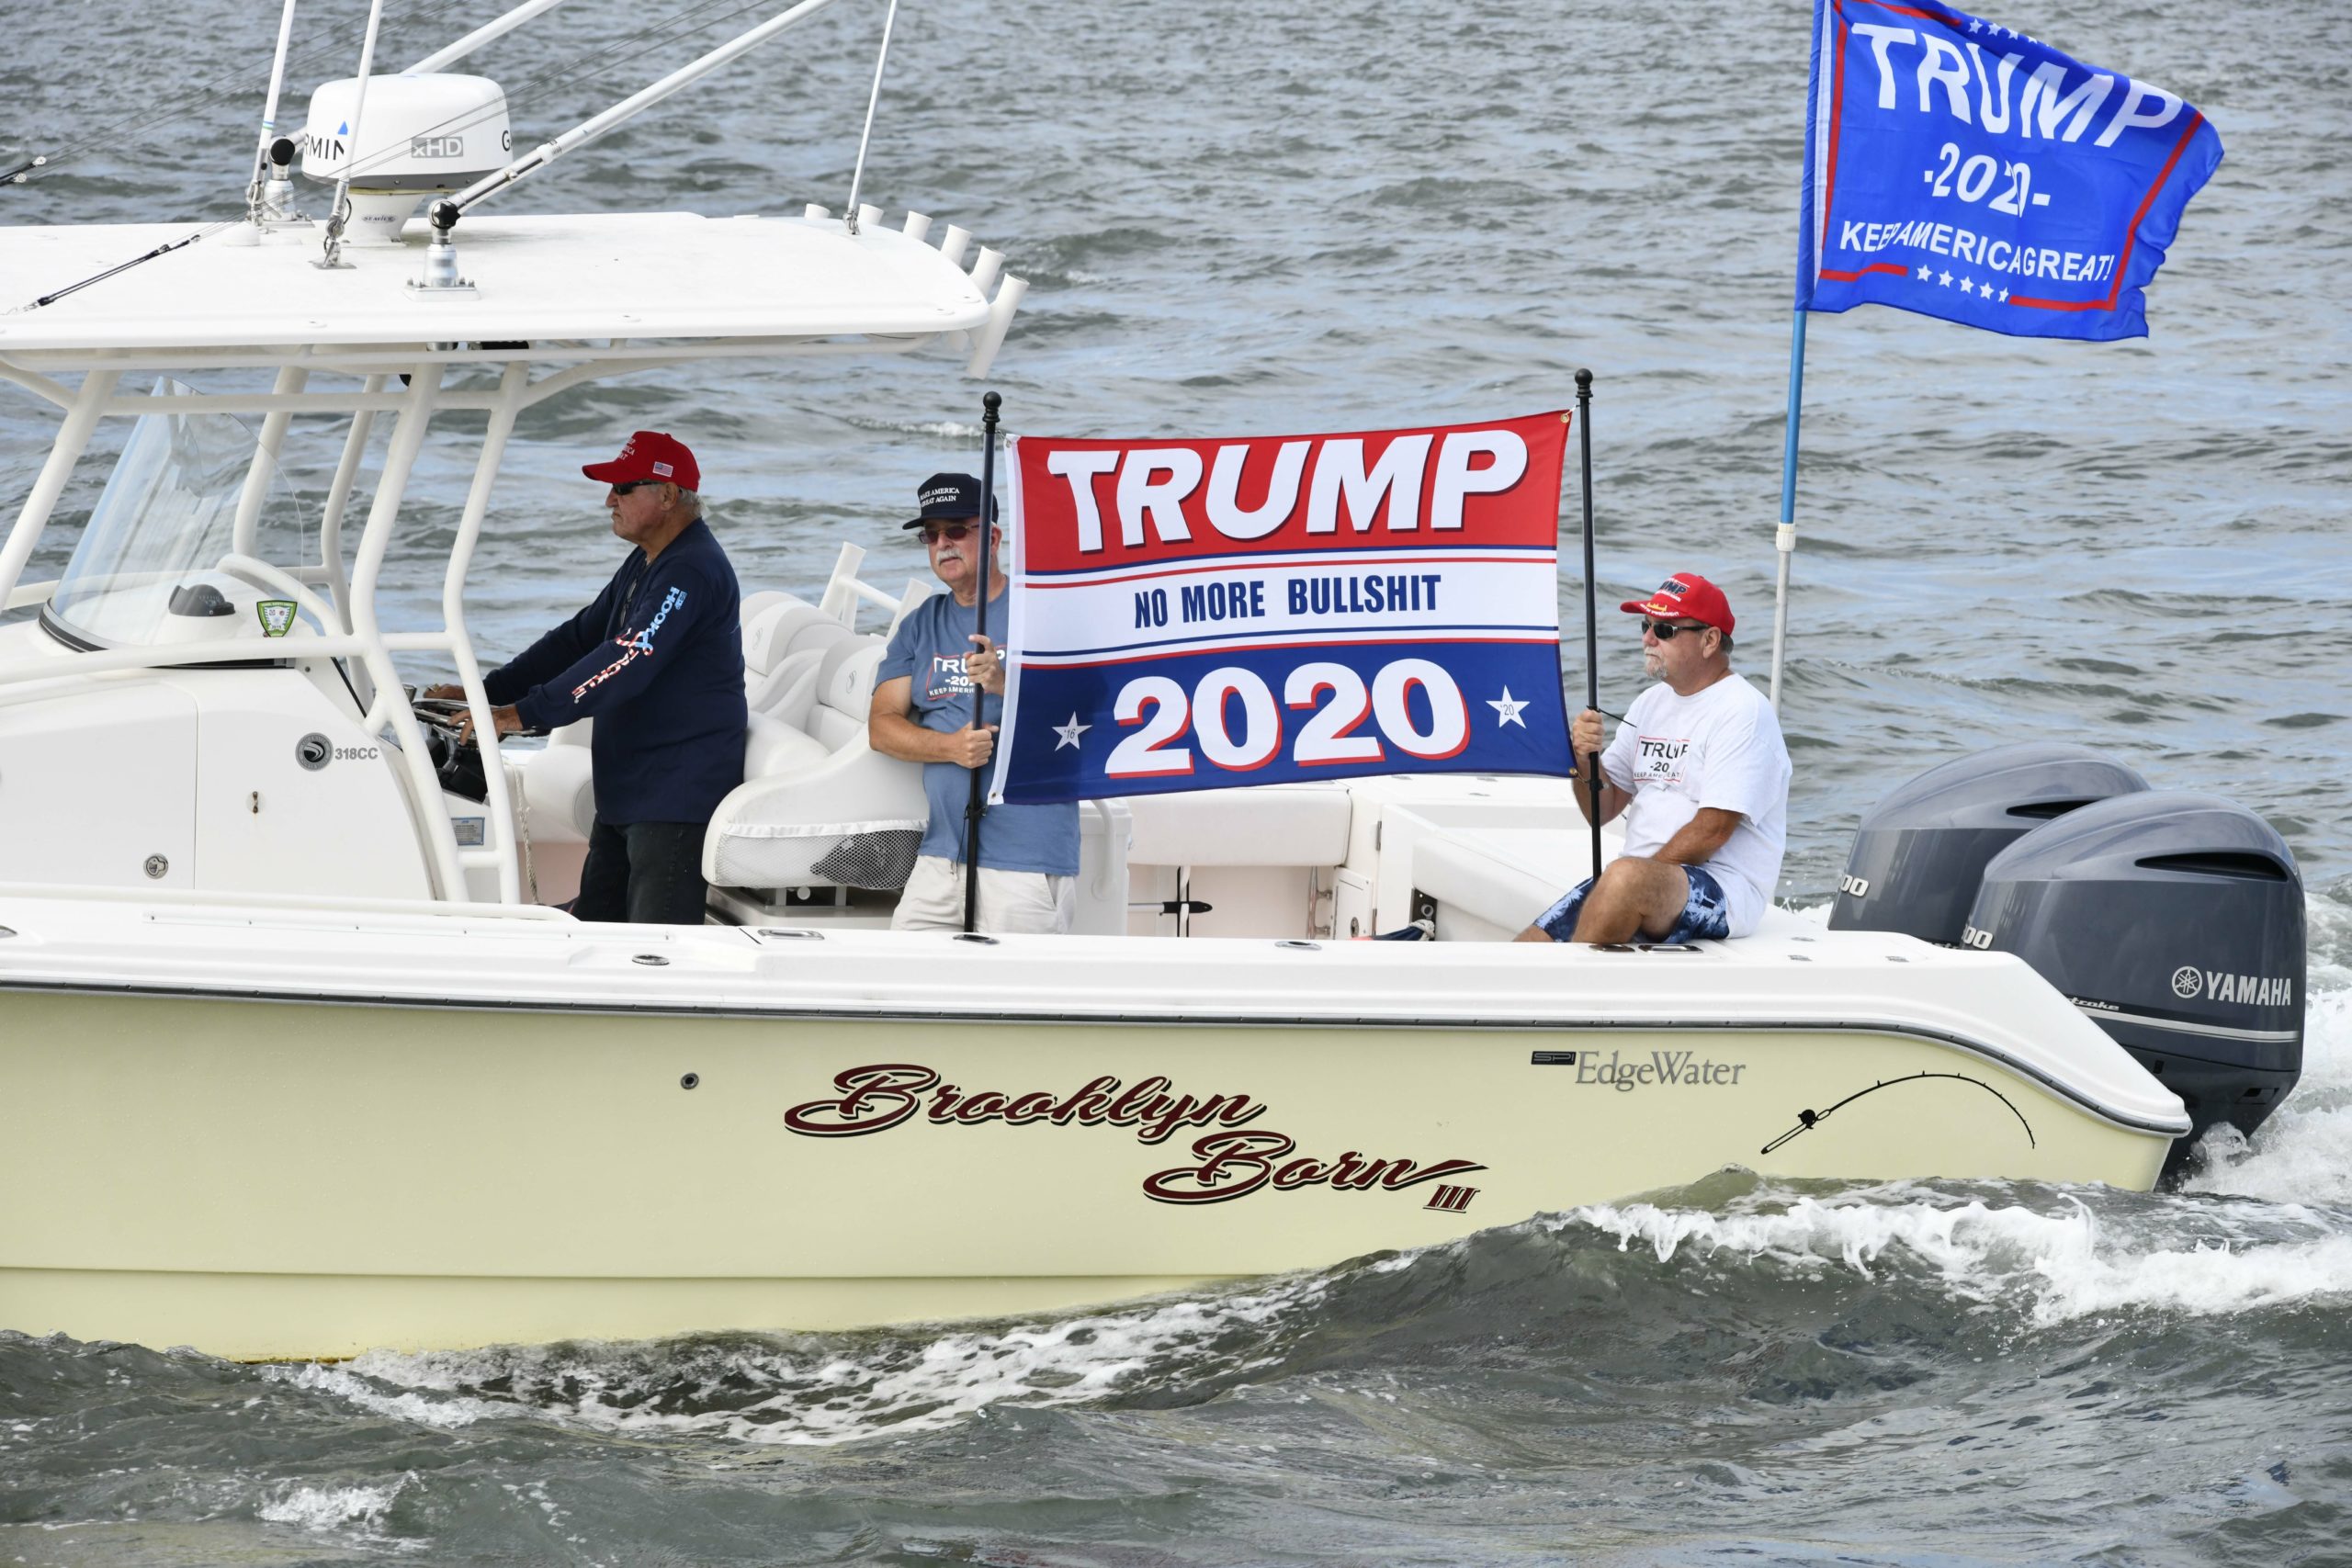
{"x": 301, "y": 1058}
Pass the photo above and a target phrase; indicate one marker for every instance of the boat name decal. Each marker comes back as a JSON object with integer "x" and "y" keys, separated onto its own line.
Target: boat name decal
{"x": 1229, "y": 1162}
{"x": 1668, "y": 1070}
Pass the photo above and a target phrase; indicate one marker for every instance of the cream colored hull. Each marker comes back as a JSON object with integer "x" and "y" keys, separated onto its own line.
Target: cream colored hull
{"x": 311, "y": 1178}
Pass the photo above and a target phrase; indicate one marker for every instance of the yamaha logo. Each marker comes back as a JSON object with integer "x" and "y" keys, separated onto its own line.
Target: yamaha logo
{"x": 2188, "y": 982}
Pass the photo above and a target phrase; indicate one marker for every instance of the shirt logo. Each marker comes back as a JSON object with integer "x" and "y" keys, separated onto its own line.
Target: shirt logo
{"x": 947, "y": 677}
{"x": 642, "y": 643}
{"x": 1657, "y": 759}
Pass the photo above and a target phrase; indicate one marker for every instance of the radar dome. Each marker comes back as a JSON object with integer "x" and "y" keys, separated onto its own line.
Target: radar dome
{"x": 416, "y": 136}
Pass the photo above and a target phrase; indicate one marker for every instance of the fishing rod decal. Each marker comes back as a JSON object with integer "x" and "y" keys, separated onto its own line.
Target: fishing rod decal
{"x": 1808, "y": 1120}
{"x": 1230, "y": 1162}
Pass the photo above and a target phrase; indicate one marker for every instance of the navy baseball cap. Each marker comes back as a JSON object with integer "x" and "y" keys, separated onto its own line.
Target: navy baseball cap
{"x": 951, "y": 495}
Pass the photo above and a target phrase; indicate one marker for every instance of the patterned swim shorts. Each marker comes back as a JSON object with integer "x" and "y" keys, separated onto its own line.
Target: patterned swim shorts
{"x": 1703, "y": 917}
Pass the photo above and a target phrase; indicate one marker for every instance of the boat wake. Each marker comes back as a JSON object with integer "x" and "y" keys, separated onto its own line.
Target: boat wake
{"x": 1730, "y": 1267}
{"x": 823, "y": 1389}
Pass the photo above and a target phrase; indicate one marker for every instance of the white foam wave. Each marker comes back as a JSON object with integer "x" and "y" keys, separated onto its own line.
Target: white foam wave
{"x": 815, "y": 1393}
{"x": 334, "y": 1508}
{"x": 2180, "y": 1255}
{"x": 943, "y": 429}
{"x": 2303, "y": 1153}
{"x": 347, "y": 1383}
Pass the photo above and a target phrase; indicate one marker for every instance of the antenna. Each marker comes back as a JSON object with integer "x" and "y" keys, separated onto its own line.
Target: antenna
{"x": 857, "y": 176}
{"x": 340, "y": 214}
{"x": 628, "y": 109}
{"x": 480, "y": 36}
{"x": 269, "y": 118}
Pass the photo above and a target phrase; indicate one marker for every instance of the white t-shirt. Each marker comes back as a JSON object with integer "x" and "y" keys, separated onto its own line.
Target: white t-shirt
{"x": 1719, "y": 747}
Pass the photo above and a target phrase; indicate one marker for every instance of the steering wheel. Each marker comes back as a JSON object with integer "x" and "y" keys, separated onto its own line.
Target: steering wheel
{"x": 458, "y": 760}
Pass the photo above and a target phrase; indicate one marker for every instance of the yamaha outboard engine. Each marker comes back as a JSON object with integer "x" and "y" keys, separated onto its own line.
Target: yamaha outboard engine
{"x": 1921, "y": 852}
{"x": 2174, "y": 922}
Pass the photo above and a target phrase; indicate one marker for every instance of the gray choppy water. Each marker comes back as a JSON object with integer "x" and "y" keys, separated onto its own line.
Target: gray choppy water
{"x": 1242, "y": 218}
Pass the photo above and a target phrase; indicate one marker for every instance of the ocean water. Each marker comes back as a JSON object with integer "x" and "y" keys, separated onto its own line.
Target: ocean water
{"x": 1246, "y": 218}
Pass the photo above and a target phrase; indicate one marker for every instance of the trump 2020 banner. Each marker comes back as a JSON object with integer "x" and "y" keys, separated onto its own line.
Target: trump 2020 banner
{"x": 1960, "y": 169}
{"x": 1195, "y": 614}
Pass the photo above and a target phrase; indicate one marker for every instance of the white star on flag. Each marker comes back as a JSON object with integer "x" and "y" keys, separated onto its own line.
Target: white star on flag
{"x": 1945, "y": 281}
{"x": 1925, "y": 273}
{"x": 1985, "y": 289}
{"x": 1069, "y": 733}
{"x": 1509, "y": 709}
{"x": 1968, "y": 286}
{"x": 2005, "y": 296}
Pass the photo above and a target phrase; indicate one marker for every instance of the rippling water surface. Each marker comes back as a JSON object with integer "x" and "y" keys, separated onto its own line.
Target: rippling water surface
{"x": 1246, "y": 218}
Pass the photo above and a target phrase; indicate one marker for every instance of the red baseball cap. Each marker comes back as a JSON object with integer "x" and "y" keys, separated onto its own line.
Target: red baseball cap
{"x": 1686, "y": 597}
{"x": 649, "y": 455}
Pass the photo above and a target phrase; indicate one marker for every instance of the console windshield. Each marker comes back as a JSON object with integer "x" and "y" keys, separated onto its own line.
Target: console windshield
{"x": 197, "y": 539}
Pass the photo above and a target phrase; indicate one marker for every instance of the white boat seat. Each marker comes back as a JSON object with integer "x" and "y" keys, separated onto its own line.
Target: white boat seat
{"x": 1262, "y": 825}
{"x": 1493, "y": 887}
{"x": 772, "y": 747}
{"x": 559, "y": 788}
{"x": 756, "y": 606}
{"x": 820, "y": 807}
{"x": 782, "y": 655}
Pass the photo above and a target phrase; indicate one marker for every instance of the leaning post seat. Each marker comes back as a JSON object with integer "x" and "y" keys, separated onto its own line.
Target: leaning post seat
{"x": 826, "y": 809}
{"x": 819, "y": 806}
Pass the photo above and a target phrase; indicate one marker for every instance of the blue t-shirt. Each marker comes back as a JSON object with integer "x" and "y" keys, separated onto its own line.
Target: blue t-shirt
{"x": 929, "y": 647}
{"x": 657, "y": 660}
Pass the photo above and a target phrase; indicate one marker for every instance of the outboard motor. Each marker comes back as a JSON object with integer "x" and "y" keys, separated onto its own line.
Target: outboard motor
{"x": 2175, "y": 923}
{"x": 1921, "y": 852}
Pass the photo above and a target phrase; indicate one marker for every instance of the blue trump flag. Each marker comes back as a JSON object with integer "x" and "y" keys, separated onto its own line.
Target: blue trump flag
{"x": 1963, "y": 169}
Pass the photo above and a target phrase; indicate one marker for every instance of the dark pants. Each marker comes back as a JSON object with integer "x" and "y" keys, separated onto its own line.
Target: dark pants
{"x": 648, "y": 873}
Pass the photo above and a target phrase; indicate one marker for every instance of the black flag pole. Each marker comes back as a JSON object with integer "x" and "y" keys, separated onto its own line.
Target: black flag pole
{"x": 990, "y": 403}
{"x": 1591, "y": 630}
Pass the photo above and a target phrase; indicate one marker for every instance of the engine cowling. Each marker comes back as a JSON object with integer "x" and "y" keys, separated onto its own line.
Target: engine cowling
{"x": 1921, "y": 852}
{"x": 2175, "y": 923}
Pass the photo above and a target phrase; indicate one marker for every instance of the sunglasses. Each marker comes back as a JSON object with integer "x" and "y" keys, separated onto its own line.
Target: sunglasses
{"x": 635, "y": 485}
{"x": 1664, "y": 630}
{"x": 953, "y": 530}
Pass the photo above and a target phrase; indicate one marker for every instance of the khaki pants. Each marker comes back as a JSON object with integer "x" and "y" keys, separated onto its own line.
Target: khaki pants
{"x": 1011, "y": 901}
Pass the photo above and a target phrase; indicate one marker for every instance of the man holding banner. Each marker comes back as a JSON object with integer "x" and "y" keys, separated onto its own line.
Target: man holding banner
{"x": 922, "y": 712}
{"x": 1701, "y": 775}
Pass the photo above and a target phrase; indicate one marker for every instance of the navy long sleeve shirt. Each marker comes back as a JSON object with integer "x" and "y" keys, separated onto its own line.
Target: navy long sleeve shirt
{"x": 657, "y": 660}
